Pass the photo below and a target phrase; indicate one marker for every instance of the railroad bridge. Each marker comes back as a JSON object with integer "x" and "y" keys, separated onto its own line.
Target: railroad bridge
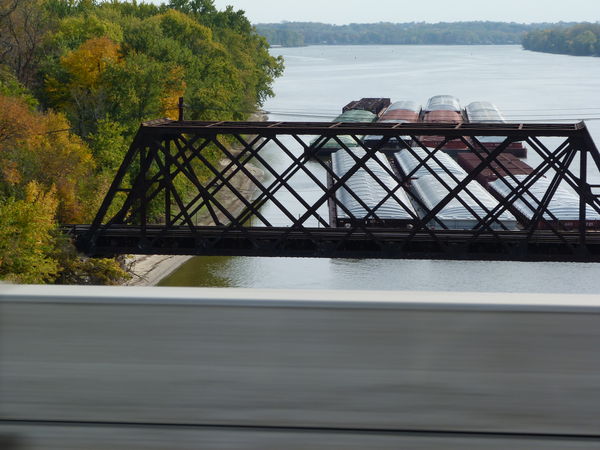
{"x": 262, "y": 189}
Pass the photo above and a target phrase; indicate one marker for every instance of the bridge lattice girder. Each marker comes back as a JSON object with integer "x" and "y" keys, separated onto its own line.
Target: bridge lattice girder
{"x": 259, "y": 189}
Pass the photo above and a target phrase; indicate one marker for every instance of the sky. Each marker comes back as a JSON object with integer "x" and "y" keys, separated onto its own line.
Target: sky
{"x": 366, "y": 11}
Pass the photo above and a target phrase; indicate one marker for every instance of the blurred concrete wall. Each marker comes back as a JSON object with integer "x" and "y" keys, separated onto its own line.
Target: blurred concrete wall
{"x": 165, "y": 368}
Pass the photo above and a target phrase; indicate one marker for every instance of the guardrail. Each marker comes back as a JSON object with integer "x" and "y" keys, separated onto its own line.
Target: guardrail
{"x": 132, "y": 368}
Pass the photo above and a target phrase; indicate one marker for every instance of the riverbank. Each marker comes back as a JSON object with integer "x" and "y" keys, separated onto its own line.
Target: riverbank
{"x": 149, "y": 270}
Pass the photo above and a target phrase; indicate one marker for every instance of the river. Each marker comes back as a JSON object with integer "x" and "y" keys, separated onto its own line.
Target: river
{"x": 319, "y": 80}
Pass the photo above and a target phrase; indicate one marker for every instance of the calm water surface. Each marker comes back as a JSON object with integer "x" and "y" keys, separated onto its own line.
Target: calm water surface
{"x": 319, "y": 80}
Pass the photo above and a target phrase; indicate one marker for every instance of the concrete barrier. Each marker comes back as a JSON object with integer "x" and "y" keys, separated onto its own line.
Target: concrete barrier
{"x": 257, "y": 366}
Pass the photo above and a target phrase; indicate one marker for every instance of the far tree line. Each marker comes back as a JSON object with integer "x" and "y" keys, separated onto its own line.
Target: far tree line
{"x": 567, "y": 38}
{"x": 581, "y": 40}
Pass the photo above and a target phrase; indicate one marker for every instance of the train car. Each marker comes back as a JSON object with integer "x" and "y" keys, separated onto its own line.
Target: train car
{"x": 430, "y": 190}
{"x": 504, "y": 164}
{"x": 404, "y": 111}
{"x": 562, "y": 211}
{"x": 390, "y": 213}
{"x": 374, "y": 105}
{"x": 330, "y": 146}
{"x": 443, "y": 109}
{"x": 486, "y": 112}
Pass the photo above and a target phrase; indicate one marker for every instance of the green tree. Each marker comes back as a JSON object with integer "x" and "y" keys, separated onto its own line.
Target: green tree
{"x": 580, "y": 40}
{"x": 27, "y": 228}
{"x": 142, "y": 88}
{"x": 585, "y": 43}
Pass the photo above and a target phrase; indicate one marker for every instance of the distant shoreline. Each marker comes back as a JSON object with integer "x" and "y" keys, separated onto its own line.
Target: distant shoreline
{"x": 275, "y": 47}
{"x": 392, "y": 45}
{"x": 300, "y": 34}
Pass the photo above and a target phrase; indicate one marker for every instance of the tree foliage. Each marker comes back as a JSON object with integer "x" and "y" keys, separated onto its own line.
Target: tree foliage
{"x": 24, "y": 24}
{"x": 579, "y": 40}
{"x": 76, "y": 79}
{"x": 26, "y": 236}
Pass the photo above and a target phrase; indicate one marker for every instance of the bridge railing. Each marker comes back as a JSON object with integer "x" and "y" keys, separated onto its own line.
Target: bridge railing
{"x": 274, "y": 189}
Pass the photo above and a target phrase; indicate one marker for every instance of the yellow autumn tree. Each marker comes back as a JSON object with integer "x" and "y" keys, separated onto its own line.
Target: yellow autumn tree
{"x": 79, "y": 89}
{"x": 26, "y": 236}
{"x": 174, "y": 87}
{"x": 17, "y": 122}
{"x": 87, "y": 63}
{"x": 59, "y": 158}
{"x": 41, "y": 148}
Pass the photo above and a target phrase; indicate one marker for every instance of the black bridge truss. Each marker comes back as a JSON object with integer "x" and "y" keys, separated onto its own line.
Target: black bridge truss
{"x": 259, "y": 189}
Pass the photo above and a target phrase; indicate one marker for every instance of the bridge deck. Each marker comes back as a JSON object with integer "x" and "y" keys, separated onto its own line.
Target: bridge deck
{"x": 341, "y": 243}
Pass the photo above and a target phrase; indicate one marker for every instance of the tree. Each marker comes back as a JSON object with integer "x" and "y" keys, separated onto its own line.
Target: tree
{"x": 108, "y": 145}
{"x": 26, "y": 237}
{"x": 16, "y": 120}
{"x": 80, "y": 88}
{"x": 40, "y": 148}
{"x": 23, "y": 26}
{"x": 193, "y": 7}
{"x": 142, "y": 88}
{"x": 77, "y": 77}
{"x": 585, "y": 43}
{"x": 59, "y": 159}
{"x": 581, "y": 40}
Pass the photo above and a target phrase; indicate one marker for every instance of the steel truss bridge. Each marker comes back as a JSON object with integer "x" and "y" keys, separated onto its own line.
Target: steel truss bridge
{"x": 260, "y": 190}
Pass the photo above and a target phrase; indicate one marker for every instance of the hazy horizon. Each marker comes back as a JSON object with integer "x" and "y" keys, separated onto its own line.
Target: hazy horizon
{"x": 343, "y": 12}
{"x": 420, "y": 21}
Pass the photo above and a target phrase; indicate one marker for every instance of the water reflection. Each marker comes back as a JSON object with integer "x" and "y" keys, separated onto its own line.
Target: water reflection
{"x": 417, "y": 275}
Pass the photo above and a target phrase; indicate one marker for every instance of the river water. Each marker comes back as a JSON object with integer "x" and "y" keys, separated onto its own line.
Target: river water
{"x": 319, "y": 80}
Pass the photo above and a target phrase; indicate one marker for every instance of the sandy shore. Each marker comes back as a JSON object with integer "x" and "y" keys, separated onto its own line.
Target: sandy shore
{"x": 149, "y": 270}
